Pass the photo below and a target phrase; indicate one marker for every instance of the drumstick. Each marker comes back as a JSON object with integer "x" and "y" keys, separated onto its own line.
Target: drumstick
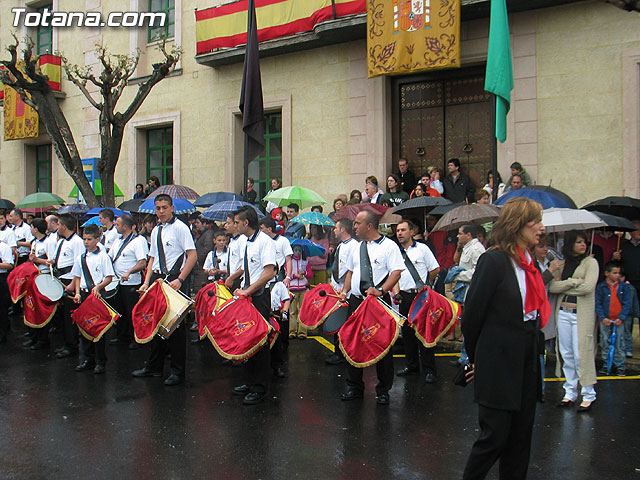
{"x": 322, "y": 293}
{"x": 211, "y": 294}
{"x": 50, "y": 266}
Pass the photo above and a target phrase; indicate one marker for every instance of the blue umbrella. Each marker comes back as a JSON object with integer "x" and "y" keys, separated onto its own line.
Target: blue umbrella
{"x": 313, "y": 218}
{"x": 116, "y": 211}
{"x": 311, "y": 249}
{"x": 212, "y": 198}
{"x": 180, "y": 206}
{"x": 546, "y": 199}
{"x": 612, "y": 348}
{"x": 92, "y": 221}
{"x": 221, "y": 210}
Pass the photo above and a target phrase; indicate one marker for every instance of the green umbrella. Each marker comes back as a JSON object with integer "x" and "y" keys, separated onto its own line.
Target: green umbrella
{"x": 303, "y": 197}
{"x": 98, "y": 189}
{"x": 40, "y": 200}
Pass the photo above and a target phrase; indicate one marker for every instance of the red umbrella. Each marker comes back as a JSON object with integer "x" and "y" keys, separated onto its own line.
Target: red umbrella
{"x": 350, "y": 211}
{"x": 175, "y": 191}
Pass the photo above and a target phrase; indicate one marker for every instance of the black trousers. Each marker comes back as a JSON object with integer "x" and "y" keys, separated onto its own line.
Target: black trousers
{"x": 258, "y": 367}
{"x": 506, "y": 435}
{"x": 384, "y": 367}
{"x": 94, "y": 352}
{"x": 176, "y": 343}
{"x": 416, "y": 353}
{"x": 70, "y": 329}
{"x": 123, "y": 303}
{"x": 5, "y": 303}
{"x": 281, "y": 345}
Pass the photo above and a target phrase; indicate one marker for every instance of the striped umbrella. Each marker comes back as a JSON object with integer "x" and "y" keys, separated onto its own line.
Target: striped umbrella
{"x": 221, "y": 210}
{"x": 477, "y": 213}
{"x": 313, "y": 218}
{"x": 180, "y": 206}
{"x": 212, "y": 198}
{"x": 74, "y": 209}
{"x": 175, "y": 191}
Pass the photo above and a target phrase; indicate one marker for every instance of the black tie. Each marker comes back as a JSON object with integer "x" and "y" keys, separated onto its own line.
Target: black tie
{"x": 335, "y": 269}
{"x": 366, "y": 272}
{"x": 161, "y": 258}
{"x": 247, "y": 278}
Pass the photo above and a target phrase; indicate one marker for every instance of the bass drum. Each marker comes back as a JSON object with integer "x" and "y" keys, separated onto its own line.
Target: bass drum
{"x": 50, "y": 287}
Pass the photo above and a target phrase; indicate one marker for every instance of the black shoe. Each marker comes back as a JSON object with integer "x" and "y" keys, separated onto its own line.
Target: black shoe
{"x": 195, "y": 340}
{"x": 603, "y": 371}
{"x": 65, "y": 352}
{"x": 564, "y": 404}
{"x": 99, "y": 369}
{"x": 278, "y": 372}
{"x": 253, "y": 398}
{"x": 226, "y": 362}
{"x": 173, "y": 379}
{"x": 59, "y": 349}
{"x": 334, "y": 359}
{"x": 29, "y": 343}
{"x": 39, "y": 346}
{"x": 382, "y": 399}
{"x": 27, "y": 334}
{"x": 454, "y": 363}
{"x": 430, "y": 378}
{"x": 240, "y": 390}
{"x": 585, "y": 408}
{"x": 145, "y": 372}
{"x": 350, "y": 395}
{"x": 406, "y": 371}
{"x": 84, "y": 366}
{"x": 115, "y": 341}
{"x": 134, "y": 346}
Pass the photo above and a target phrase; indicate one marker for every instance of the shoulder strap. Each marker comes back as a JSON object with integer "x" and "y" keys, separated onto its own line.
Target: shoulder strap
{"x": 123, "y": 246}
{"x": 86, "y": 273}
{"x": 412, "y": 270}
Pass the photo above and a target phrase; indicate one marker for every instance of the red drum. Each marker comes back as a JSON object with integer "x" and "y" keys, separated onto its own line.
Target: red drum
{"x": 237, "y": 330}
{"x": 209, "y": 299}
{"x": 336, "y": 319}
{"x": 94, "y": 318}
{"x": 369, "y": 333}
{"x": 432, "y": 316}
{"x": 273, "y": 335}
{"x": 39, "y": 309}
{"x": 318, "y": 304}
{"x": 20, "y": 278}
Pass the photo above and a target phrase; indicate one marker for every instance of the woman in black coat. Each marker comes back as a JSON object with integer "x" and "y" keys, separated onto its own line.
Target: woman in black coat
{"x": 505, "y": 305}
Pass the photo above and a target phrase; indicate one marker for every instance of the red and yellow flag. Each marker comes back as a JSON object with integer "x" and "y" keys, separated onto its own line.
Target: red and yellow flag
{"x": 225, "y": 26}
{"x": 405, "y": 36}
{"x": 20, "y": 120}
{"x": 50, "y": 66}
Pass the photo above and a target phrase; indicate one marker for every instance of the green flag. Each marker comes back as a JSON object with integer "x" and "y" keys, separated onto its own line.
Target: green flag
{"x": 499, "y": 76}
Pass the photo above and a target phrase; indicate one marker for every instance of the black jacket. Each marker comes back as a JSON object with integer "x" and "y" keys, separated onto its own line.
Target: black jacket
{"x": 460, "y": 190}
{"x": 408, "y": 180}
{"x": 495, "y": 336}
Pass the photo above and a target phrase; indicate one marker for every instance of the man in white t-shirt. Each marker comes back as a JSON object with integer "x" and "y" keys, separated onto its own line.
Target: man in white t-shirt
{"x": 6, "y": 264}
{"x": 235, "y": 252}
{"x": 110, "y": 233}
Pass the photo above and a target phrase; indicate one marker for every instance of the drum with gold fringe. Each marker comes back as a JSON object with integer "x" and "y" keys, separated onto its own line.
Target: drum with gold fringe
{"x": 432, "y": 316}
{"x": 19, "y": 279}
{"x": 369, "y": 333}
{"x": 208, "y": 300}
{"x": 94, "y": 318}
{"x": 318, "y": 304}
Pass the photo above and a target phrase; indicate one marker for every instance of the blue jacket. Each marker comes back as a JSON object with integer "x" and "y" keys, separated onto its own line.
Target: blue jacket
{"x": 603, "y": 298}
{"x": 635, "y": 304}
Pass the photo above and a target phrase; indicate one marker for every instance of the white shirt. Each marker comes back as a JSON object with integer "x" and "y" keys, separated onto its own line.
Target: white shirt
{"x": 423, "y": 260}
{"x": 136, "y": 250}
{"x": 279, "y": 295}
{"x": 209, "y": 262}
{"x": 53, "y": 238}
{"x": 260, "y": 251}
{"x": 98, "y": 264}
{"x": 176, "y": 240}
{"x": 344, "y": 251}
{"x": 43, "y": 249}
{"x": 110, "y": 236}
{"x": 70, "y": 249}
{"x": 522, "y": 284}
{"x": 23, "y": 234}
{"x": 385, "y": 258}
{"x": 283, "y": 249}
{"x": 6, "y": 255}
{"x": 469, "y": 259}
{"x": 235, "y": 253}
{"x": 8, "y": 236}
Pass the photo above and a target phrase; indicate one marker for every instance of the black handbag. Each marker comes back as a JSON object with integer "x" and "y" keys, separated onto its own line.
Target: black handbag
{"x": 460, "y": 378}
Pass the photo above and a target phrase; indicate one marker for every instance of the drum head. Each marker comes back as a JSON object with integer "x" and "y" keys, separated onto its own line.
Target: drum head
{"x": 334, "y": 321}
{"x": 49, "y": 287}
{"x": 111, "y": 289}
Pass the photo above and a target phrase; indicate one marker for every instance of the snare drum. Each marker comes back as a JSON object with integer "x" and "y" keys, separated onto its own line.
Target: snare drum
{"x": 50, "y": 287}
{"x": 111, "y": 289}
{"x": 334, "y": 321}
{"x": 177, "y": 308}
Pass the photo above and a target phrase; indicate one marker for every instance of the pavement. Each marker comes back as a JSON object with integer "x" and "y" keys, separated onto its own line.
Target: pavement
{"x": 56, "y": 423}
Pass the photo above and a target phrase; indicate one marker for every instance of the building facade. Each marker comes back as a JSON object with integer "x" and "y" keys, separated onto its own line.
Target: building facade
{"x": 574, "y": 121}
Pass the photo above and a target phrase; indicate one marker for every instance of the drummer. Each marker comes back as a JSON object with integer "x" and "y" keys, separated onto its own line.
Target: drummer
{"x": 283, "y": 251}
{"x": 372, "y": 269}
{"x": 69, "y": 247}
{"x": 22, "y": 231}
{"x": 129, "y": 255}
{"x": 7, "y": 235}
{"x": 344, "y": 234}
{"x": 41, "y": 251}
{"x": 110, "y": 233}
{"x": 6, "y": 264}
{"x": 172, "y": 256}
{"x": 236, "y": 251}
{"x": 421, "y": 269}
{"x": 258, "y": 268}
{"x": 92, "y": 271}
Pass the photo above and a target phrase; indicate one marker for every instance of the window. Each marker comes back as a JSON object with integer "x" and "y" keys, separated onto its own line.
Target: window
{"x": 269, "y": 165}
{"x": 168, "y": 29}
{"x": 43, "y": 168}
{"x": 44, "y": 34}
{"x": 160, "y": 154}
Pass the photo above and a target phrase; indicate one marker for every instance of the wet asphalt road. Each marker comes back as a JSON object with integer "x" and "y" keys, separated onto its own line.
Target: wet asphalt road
{"x": 59, "y": 424}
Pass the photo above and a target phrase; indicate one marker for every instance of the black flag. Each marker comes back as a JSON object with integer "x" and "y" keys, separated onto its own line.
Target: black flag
{"x": 251, "y": 104}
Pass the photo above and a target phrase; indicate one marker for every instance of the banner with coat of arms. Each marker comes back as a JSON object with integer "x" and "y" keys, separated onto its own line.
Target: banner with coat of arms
{"x": 20, "y": 120}
{"x": 405, "y": 36}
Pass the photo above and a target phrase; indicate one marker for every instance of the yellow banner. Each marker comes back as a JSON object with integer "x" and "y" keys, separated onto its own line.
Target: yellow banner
{"x": 405, "y": 36}
{"x": 20, "y": 120}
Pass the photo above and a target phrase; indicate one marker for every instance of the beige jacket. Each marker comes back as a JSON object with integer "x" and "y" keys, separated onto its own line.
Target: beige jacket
{"x": 587, "y": 325}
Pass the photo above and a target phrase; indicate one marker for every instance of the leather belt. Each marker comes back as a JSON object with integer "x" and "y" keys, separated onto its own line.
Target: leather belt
{"x": 569, "y": 310}
{"x": 411, "y": 290}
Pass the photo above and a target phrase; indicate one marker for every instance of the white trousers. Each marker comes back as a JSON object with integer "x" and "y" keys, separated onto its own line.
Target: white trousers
{"x": 568, "y": 344}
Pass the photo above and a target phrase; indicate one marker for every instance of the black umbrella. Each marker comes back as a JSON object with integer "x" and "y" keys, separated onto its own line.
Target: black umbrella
{"x": 617, "y": 224}
{"x": 626, "y": 207}
{"x": 6, "y": 204}
{"x": 131, "y": 205}
{"x": 74, "y": 209}
{"x": 442, "y": 209}
{"x": 212, "y": 198}
{"x": 420, "y": 205}
{"x": 557, "y": 193}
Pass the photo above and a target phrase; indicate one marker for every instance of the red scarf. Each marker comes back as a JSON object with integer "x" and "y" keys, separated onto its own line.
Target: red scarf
{"x": 536, "y": 293}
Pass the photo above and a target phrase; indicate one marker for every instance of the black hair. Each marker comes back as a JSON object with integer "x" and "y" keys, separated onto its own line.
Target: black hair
{"x": 497, "y": 179}
{"x": 163, "y": 197}
{"x": 269, "y": 223}
{"x": 517, "y": 166}
{"x": 611, "y": 265}
{"x": 469, "y": 228}
{"x": 128, "y": 220}
{"x": 294, "y": 207}
{"x": 455, "y": 161}
{"x": 18, "y": 212}
{"x": 68, "y": 221}
{"x": 249, "y": 214}
{"x": 372, "y": 218}
{"x": 92, "y": 230}
{"x": 347, "y": 225}
{"x": 39, "y": 224}
{"x": 106, "y": 213}
{"x": 410, "y": 224}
